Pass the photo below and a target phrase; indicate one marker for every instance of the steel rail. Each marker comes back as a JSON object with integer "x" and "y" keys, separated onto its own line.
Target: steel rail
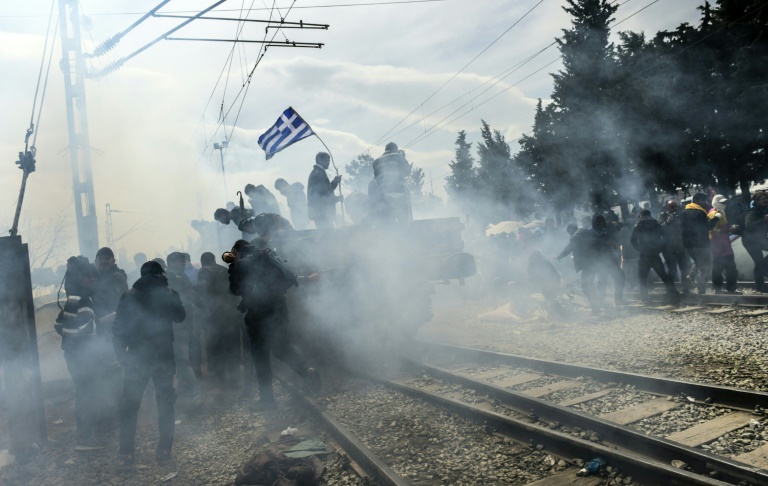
{"x": 561, "y": 444}
{"x": 622, "y": 436}
{"x": 709, "y": 299}
{"x": 724, "y": 396}
{"x": 371, "y": 463}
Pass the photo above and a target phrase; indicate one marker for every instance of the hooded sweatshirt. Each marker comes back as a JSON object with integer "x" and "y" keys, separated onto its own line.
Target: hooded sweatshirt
{"x": 145, "y": 315}
{"x": 648, "y": 237}
{"x": 696, "y": 226}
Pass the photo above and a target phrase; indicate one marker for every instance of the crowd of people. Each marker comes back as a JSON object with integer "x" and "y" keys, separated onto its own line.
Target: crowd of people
{"x": 116, "y": 339}
{"x": 689, "y": 248}
{"x": 173, "y": 323}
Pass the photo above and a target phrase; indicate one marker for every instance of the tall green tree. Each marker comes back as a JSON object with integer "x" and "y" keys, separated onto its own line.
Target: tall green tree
{"x": 359, "y": 172}
{"x": 462, "y": 181}
{"x": 500, "y": 181}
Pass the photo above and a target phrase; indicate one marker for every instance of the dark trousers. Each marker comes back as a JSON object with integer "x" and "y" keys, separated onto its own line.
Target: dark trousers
{"x": 268, "y": 331}
{"x": 600, "y": 270}
{"x": 644, "y": 266}
{"x": 222, "y": 340}
{"x": 755, "y": 250}
{"x": 676, "y": 258}
{"x": 727, "y": 264}
{"x": 181, "y": 349}
{"x": 137, "y": 376}
{"x": 702, "y": 266}
{"x": 87, "y": 377}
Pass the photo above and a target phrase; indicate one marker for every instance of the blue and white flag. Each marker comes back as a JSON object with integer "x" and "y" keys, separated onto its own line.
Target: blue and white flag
{"x": 288, "y": 129}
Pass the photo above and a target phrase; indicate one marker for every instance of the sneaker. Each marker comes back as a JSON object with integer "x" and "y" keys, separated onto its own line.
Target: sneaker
{"x": 312, "y": 382}
{"x": 126, "y": 461}
{"x": 263, "y": 405}
{"x": 89, "y": 444}
{"x": 688, "y": 283}
{"x": 719, "y": 291}
{"x": 734, "y": 292}
{"x": 163, "y": 456}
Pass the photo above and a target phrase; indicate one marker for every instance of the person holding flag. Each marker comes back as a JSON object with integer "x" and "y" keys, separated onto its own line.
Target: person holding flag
{"x": 321, "y": 201}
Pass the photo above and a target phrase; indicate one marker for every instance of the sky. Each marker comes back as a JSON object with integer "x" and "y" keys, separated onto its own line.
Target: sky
{"x": 414, "y": 73}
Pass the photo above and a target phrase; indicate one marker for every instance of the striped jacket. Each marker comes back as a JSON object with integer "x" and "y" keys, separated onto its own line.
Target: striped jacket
{"x": 76, "y": 320}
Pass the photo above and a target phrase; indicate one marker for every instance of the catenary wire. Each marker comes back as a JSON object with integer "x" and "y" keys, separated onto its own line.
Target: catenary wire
{"x": 45, "y": 84}
{"x": 441, "y": 123}
{"x": 306, "y": 7}
{"x": 499, "y": 77}
{"x": 380, "y": 139}
{"x": 40, "y": 73}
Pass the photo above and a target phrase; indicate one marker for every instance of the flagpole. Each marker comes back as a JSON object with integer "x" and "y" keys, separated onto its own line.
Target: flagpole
{"x": 343, "y": 218}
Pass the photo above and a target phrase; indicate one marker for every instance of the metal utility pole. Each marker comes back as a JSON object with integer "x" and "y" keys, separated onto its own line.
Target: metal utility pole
{"x": 220, "y": 147}
{"x": 108, "y": 224}
{"x": 74, "y": 68}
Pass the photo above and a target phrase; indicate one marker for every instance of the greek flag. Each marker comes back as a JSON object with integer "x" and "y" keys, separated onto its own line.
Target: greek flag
{"x": 288, "y": 129}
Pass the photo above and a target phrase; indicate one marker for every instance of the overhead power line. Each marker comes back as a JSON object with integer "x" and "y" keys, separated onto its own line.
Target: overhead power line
{"x": 110, "y": 43}
{"x": 110, "y": 68}
{"x": 442, "y": 123}
{"x": 454, "y": 75}
{"x": 305, "y": 7}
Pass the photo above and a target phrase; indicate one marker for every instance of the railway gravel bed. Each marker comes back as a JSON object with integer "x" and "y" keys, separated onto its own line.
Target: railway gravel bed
{"x": 429, "y": 445}
{"x": 679, "y": 419}
{"x": 209, "y": 448}
{"x": 740, "y": 441}
{"x": 723, "y": 349}
{"x": 622, "y": 397}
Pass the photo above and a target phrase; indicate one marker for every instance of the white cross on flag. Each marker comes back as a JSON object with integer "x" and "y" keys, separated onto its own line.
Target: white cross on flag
{"x": 288, "y": 129}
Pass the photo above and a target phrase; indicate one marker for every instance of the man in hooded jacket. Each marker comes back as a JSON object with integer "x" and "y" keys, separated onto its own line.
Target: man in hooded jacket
{"x": 648, "y": 239}
{"x": 696, "y": 226}
{"x": 143, "y": 342}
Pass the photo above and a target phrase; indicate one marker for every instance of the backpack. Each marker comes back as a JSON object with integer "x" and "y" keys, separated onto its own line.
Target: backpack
{"x": 270, "y": 278}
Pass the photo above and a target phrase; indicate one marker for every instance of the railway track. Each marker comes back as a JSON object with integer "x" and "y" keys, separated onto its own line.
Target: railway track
{"x": 752, "y": 305}
{"x": 516, "y": 398}
{"x": 535, "y": 390}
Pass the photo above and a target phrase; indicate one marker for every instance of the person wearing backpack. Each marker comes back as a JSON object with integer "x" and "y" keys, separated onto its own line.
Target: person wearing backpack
{"x": 261, "y": 278}
{"x": 649, "y": 240}
{"x": 76, "y": 325}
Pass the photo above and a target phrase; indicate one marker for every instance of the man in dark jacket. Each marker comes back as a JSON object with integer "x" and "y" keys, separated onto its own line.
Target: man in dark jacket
{"x": 262, "y": 279}
{"x": 756, "y": 237}
{"x": 674, "y": 253}
{"x": 261, "y": 199}
{"x": 695, "y": 229}
{"x": 113, "y": 282}
{"x": 111, "y": 285}
{"x": 143, "y": 341}
{"x": 390, "y": 172}
{"x": 321, "y": 202}
{"x": 178, "y": 281}
{"x": 222, "y": 319}
{"x": 600, "y": 261}
{"x": 648, "y": 239}
{"x": 297, "y": 202}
